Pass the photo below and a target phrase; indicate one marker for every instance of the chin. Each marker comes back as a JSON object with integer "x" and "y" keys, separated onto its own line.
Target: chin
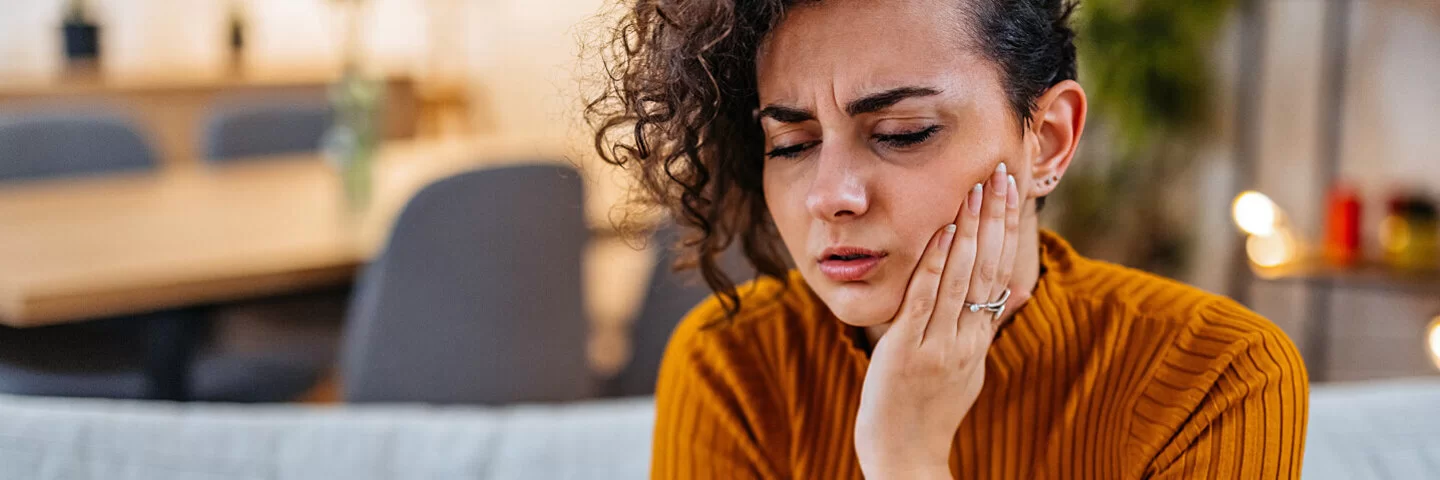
{"x": 860, "y": 304}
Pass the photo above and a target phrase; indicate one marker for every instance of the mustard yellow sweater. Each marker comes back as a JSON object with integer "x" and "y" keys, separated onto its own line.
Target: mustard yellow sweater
{"x": 1105, "y": 373}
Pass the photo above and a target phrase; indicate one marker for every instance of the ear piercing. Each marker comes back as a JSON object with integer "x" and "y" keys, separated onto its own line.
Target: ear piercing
{"x": 1051, "y": 180}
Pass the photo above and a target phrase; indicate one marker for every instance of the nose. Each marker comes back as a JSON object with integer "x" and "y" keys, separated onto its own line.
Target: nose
{"x": 839, "y": 189}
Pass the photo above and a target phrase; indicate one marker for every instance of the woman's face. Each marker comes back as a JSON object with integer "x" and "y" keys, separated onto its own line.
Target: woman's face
{"x": 878, "y": 120}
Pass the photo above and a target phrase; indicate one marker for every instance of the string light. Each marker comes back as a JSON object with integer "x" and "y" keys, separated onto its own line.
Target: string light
{"x": 1272, "y": 250}
{"x": 1255, "y": 213}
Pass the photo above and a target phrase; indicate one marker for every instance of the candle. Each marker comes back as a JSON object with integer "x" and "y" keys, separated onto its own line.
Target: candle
{"x": 1342, "y": 226}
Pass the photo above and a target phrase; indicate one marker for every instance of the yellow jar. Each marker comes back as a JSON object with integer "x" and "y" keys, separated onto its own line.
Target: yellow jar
{"x": 1411, "y": 242}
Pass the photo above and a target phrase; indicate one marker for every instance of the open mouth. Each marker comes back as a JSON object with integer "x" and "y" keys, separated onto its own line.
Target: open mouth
{"x": 849, "y": 264}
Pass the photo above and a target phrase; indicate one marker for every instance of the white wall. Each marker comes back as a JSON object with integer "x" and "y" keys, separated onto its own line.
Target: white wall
{"x": 143, "y": 40}
{"x": 308, "y": 38}
{"x": 292, "y": 38}
{"x": 170, "y": 40}
{"x": 30, "y": 41}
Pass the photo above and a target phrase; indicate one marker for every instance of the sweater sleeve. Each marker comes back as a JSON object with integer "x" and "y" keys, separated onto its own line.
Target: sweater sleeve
{"x": 1251, "y": 423}
{"x": 702, "y": 429}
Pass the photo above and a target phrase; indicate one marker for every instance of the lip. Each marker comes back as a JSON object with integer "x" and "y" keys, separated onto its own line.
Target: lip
{"x": 849, "y": 270}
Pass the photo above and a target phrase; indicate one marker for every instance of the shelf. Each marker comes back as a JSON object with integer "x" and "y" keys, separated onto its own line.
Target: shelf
{"x": 84, "y": 77}
{"x": 1369, "y": 274}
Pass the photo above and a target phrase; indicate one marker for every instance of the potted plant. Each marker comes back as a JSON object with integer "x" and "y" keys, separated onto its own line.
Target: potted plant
{"x": 82, "y": 36}
{"x": 1145, "y": 65}
{"x": 357, "y": 99}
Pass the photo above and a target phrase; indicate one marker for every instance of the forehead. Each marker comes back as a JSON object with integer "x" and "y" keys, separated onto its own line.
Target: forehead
{"x": 853, "y": 47}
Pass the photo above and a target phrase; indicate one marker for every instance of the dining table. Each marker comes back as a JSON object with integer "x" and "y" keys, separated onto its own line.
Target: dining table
{"x": 160, "y": 244}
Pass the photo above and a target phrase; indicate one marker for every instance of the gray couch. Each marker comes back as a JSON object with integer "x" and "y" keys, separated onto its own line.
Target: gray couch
{"x": 1357, "y": 431}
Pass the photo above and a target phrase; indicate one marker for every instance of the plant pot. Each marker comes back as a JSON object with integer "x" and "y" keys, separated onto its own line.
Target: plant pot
{"x": 82, "y": 41}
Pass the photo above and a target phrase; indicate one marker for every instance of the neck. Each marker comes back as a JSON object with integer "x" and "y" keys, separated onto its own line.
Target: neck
{"x": 1023, "y": 278}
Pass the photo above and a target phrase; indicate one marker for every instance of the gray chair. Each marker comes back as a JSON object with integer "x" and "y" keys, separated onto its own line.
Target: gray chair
{"x": 669, "y": 297}
{"x": 268, "y": 128}
{"x": 34, "y": 146}
{"x": 477, "y": 297}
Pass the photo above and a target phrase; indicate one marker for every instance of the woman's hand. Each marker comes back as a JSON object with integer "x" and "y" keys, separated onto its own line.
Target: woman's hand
{"x": 927, "y": 370}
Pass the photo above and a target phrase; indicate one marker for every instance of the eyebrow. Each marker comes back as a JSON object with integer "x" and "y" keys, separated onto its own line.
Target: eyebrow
{"x": 868, "y": 104}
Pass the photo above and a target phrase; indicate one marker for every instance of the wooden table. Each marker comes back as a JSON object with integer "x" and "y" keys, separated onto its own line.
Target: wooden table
{"x": 78, "y": 249}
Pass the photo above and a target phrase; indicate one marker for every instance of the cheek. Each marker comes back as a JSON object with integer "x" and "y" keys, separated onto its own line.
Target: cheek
{"x": 923, "y": 202}
{"x": 924, "y": 199}
{"x": 785, "y": 200}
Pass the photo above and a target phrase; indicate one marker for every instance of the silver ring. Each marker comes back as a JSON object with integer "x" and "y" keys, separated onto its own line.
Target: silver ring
{"x": 997, "y": 308}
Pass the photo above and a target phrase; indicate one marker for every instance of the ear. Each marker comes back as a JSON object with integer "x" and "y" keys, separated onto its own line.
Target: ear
{"x": 1055, "y": 130}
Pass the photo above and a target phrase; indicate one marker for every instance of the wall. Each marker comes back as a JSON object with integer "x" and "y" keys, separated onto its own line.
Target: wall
{"x": 30, "y": 42}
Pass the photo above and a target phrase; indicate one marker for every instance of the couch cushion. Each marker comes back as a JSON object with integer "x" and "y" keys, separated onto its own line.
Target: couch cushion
{"x": 45, "y": 438}
{"x": 1374, "y": 430}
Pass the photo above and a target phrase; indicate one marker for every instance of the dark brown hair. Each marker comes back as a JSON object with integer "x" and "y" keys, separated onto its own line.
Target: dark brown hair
{"x": 678, "y": 101}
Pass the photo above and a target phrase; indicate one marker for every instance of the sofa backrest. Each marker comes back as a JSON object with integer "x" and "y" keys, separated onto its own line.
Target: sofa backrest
{"x": 46, "y": 438}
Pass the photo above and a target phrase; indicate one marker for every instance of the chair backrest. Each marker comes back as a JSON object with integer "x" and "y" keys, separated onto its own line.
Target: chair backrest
{"x": 477, "y": 297}
{"x": 669, "y": 297}
{"x": 69, "y": 144}
{"x": 266, "y": 129}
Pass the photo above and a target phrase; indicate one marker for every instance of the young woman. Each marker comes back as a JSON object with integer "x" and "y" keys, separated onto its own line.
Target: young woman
{"x": 898, "y": 152}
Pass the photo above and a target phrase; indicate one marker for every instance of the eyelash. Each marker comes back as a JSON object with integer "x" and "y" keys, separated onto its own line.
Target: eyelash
{"x": 789, "y": 151}
{"x": 903, "y": 140}
{"x": 900, "y": 140}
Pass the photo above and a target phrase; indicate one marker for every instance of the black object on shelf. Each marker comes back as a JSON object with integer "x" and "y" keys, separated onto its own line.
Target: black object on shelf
{"x": 237, "y": 34}
{"x": 82, "y": 40}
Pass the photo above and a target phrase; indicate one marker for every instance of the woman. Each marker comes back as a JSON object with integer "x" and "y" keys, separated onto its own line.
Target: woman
{"x": 898, "y": 152}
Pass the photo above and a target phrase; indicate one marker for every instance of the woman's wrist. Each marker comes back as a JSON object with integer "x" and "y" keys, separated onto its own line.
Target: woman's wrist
{"x": 908, "y": 471}
{"x": 888, "y": 457}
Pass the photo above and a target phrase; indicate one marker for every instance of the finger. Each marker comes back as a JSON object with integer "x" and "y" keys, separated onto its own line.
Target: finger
{"x": 991, "y": 240}
{"x": 1012, "y": 243}
{"x": 955, "y": 283}
{"x": 919, "y": 300}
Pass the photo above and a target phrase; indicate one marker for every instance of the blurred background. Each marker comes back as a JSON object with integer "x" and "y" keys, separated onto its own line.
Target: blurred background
{"x": 342, "y": 201}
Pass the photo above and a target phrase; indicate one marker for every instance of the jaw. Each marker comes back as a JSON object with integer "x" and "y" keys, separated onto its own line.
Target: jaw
{"x": 860, "y": 304}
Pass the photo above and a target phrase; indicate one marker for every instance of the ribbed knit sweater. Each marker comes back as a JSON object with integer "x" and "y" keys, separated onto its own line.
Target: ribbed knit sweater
{"x": 1106, "y": 372}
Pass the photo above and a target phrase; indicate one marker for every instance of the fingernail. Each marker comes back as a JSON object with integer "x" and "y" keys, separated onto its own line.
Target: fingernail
{"x": 1012, "y": 197}
{"x": 950, "y": 228}
{"x": 974, "y": 201}
{"x": 947, "y": 237}
{"x": 1001, "y": 168}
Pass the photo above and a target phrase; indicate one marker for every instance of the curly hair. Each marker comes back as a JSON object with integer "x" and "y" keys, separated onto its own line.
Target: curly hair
{"x": 678, "y": 101}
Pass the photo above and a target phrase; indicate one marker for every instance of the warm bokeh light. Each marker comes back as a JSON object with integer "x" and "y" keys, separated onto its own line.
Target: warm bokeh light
{"x": 1255, "y": 213}
{"x": 1394, "y": 234}
{"x": 1432, "y": 340}
{"x": 1273, "y": 250}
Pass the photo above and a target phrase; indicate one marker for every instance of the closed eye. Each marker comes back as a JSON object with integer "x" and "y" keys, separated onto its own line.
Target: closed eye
{"x": 902, "y": 140}
{"x": 790, "y": 151}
